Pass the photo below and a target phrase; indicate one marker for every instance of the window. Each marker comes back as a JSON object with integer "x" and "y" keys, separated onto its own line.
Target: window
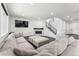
{"x": 3, "y": 22}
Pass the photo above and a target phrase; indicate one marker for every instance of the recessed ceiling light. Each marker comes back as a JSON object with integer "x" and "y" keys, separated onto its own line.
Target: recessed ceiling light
{"x": 68, "y": 16}
{"x": 51, "y": 13}
{"x": 48, "y": 20}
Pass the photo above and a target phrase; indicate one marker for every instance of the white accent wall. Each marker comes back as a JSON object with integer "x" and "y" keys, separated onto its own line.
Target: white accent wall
{"x": 27, "y": 30}
{"x": 61, "y": 26}
{"x": 74, "y": 27}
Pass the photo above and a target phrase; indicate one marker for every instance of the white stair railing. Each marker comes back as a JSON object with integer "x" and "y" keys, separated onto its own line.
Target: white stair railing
{"x": 51, "y": 27}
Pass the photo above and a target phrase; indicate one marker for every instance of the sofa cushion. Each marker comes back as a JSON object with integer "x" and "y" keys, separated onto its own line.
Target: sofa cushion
{"x": 11, "y": 43}
{"x": 7, "y": 52}
{"x": 25, "y": 45}
{"x": 44, "y": 53}
{"x": 72, "y": 49}
{"x": 24, "y": 52}
{"x": 75, "y": 43}
{"x": 70, "y": 40}
{"x": 20, "y": 40}
{"x": 56, "y": 47}
{"x": 11, "y": 36}
{"x": 18, "y": 34}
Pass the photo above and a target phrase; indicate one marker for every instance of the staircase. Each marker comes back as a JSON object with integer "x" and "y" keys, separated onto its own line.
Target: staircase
{"x": 51, "y": 28}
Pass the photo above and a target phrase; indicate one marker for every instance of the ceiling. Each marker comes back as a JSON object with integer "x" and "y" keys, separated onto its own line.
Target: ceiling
{"x": 66, "y": 11}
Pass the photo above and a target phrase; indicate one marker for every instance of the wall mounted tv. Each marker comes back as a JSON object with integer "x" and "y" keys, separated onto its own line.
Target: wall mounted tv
{"x": 20, "y": 23}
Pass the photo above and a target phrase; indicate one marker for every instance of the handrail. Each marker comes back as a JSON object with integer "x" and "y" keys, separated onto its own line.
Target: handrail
{"x": 51, "y": 27}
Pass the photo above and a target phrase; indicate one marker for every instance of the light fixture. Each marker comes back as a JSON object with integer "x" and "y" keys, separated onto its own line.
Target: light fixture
{"x": 51, "y": 13}
{"x": 68, "y": 16}
{"x": 48, "y": 20}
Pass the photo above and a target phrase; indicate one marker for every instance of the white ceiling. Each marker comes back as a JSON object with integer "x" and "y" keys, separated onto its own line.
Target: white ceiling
{"x": 44, "y": 10}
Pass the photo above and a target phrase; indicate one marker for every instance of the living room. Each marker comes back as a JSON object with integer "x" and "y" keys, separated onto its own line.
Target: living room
{"x": 36, "y": 26}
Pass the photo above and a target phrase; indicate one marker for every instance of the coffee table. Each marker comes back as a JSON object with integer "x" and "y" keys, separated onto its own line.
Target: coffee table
{"x": 38, "y": 41}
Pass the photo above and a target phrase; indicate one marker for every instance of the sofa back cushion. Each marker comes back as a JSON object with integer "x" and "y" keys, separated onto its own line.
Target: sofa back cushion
{"x": 20, "y": 40}
{"x": 24, "y": 52}
{"x": 11, "y": 36}
{"x": 56, "y": 47}
{"x": 7, "y": 52}
{"x": 44, "y": 53}
{"x": 72, "y": 49}
{"x": 70, "y": 40}
{"x": 10, "y": 43}
{"x": 18, "y": 34}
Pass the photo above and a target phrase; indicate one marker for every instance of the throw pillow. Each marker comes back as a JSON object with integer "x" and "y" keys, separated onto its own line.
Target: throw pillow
{"x": 24, "y": 52}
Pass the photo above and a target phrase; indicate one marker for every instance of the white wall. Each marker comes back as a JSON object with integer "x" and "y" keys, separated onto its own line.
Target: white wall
{"x": 27, "y": 31}
{"x": 74, "y": 27}
{"x": 61, "y": 27}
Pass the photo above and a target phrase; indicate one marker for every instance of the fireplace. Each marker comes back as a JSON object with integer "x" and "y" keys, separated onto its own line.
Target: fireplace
{"x": 38, "y": 31}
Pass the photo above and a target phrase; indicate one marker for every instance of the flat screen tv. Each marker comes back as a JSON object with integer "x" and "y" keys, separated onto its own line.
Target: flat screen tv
{"x": 20, "y": 23}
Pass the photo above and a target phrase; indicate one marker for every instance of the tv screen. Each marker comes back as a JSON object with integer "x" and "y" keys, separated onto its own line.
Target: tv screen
{"x": 19, "y": 23}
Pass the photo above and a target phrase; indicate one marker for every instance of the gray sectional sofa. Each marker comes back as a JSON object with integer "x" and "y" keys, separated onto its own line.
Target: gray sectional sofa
{"x": 15, "y": 44}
